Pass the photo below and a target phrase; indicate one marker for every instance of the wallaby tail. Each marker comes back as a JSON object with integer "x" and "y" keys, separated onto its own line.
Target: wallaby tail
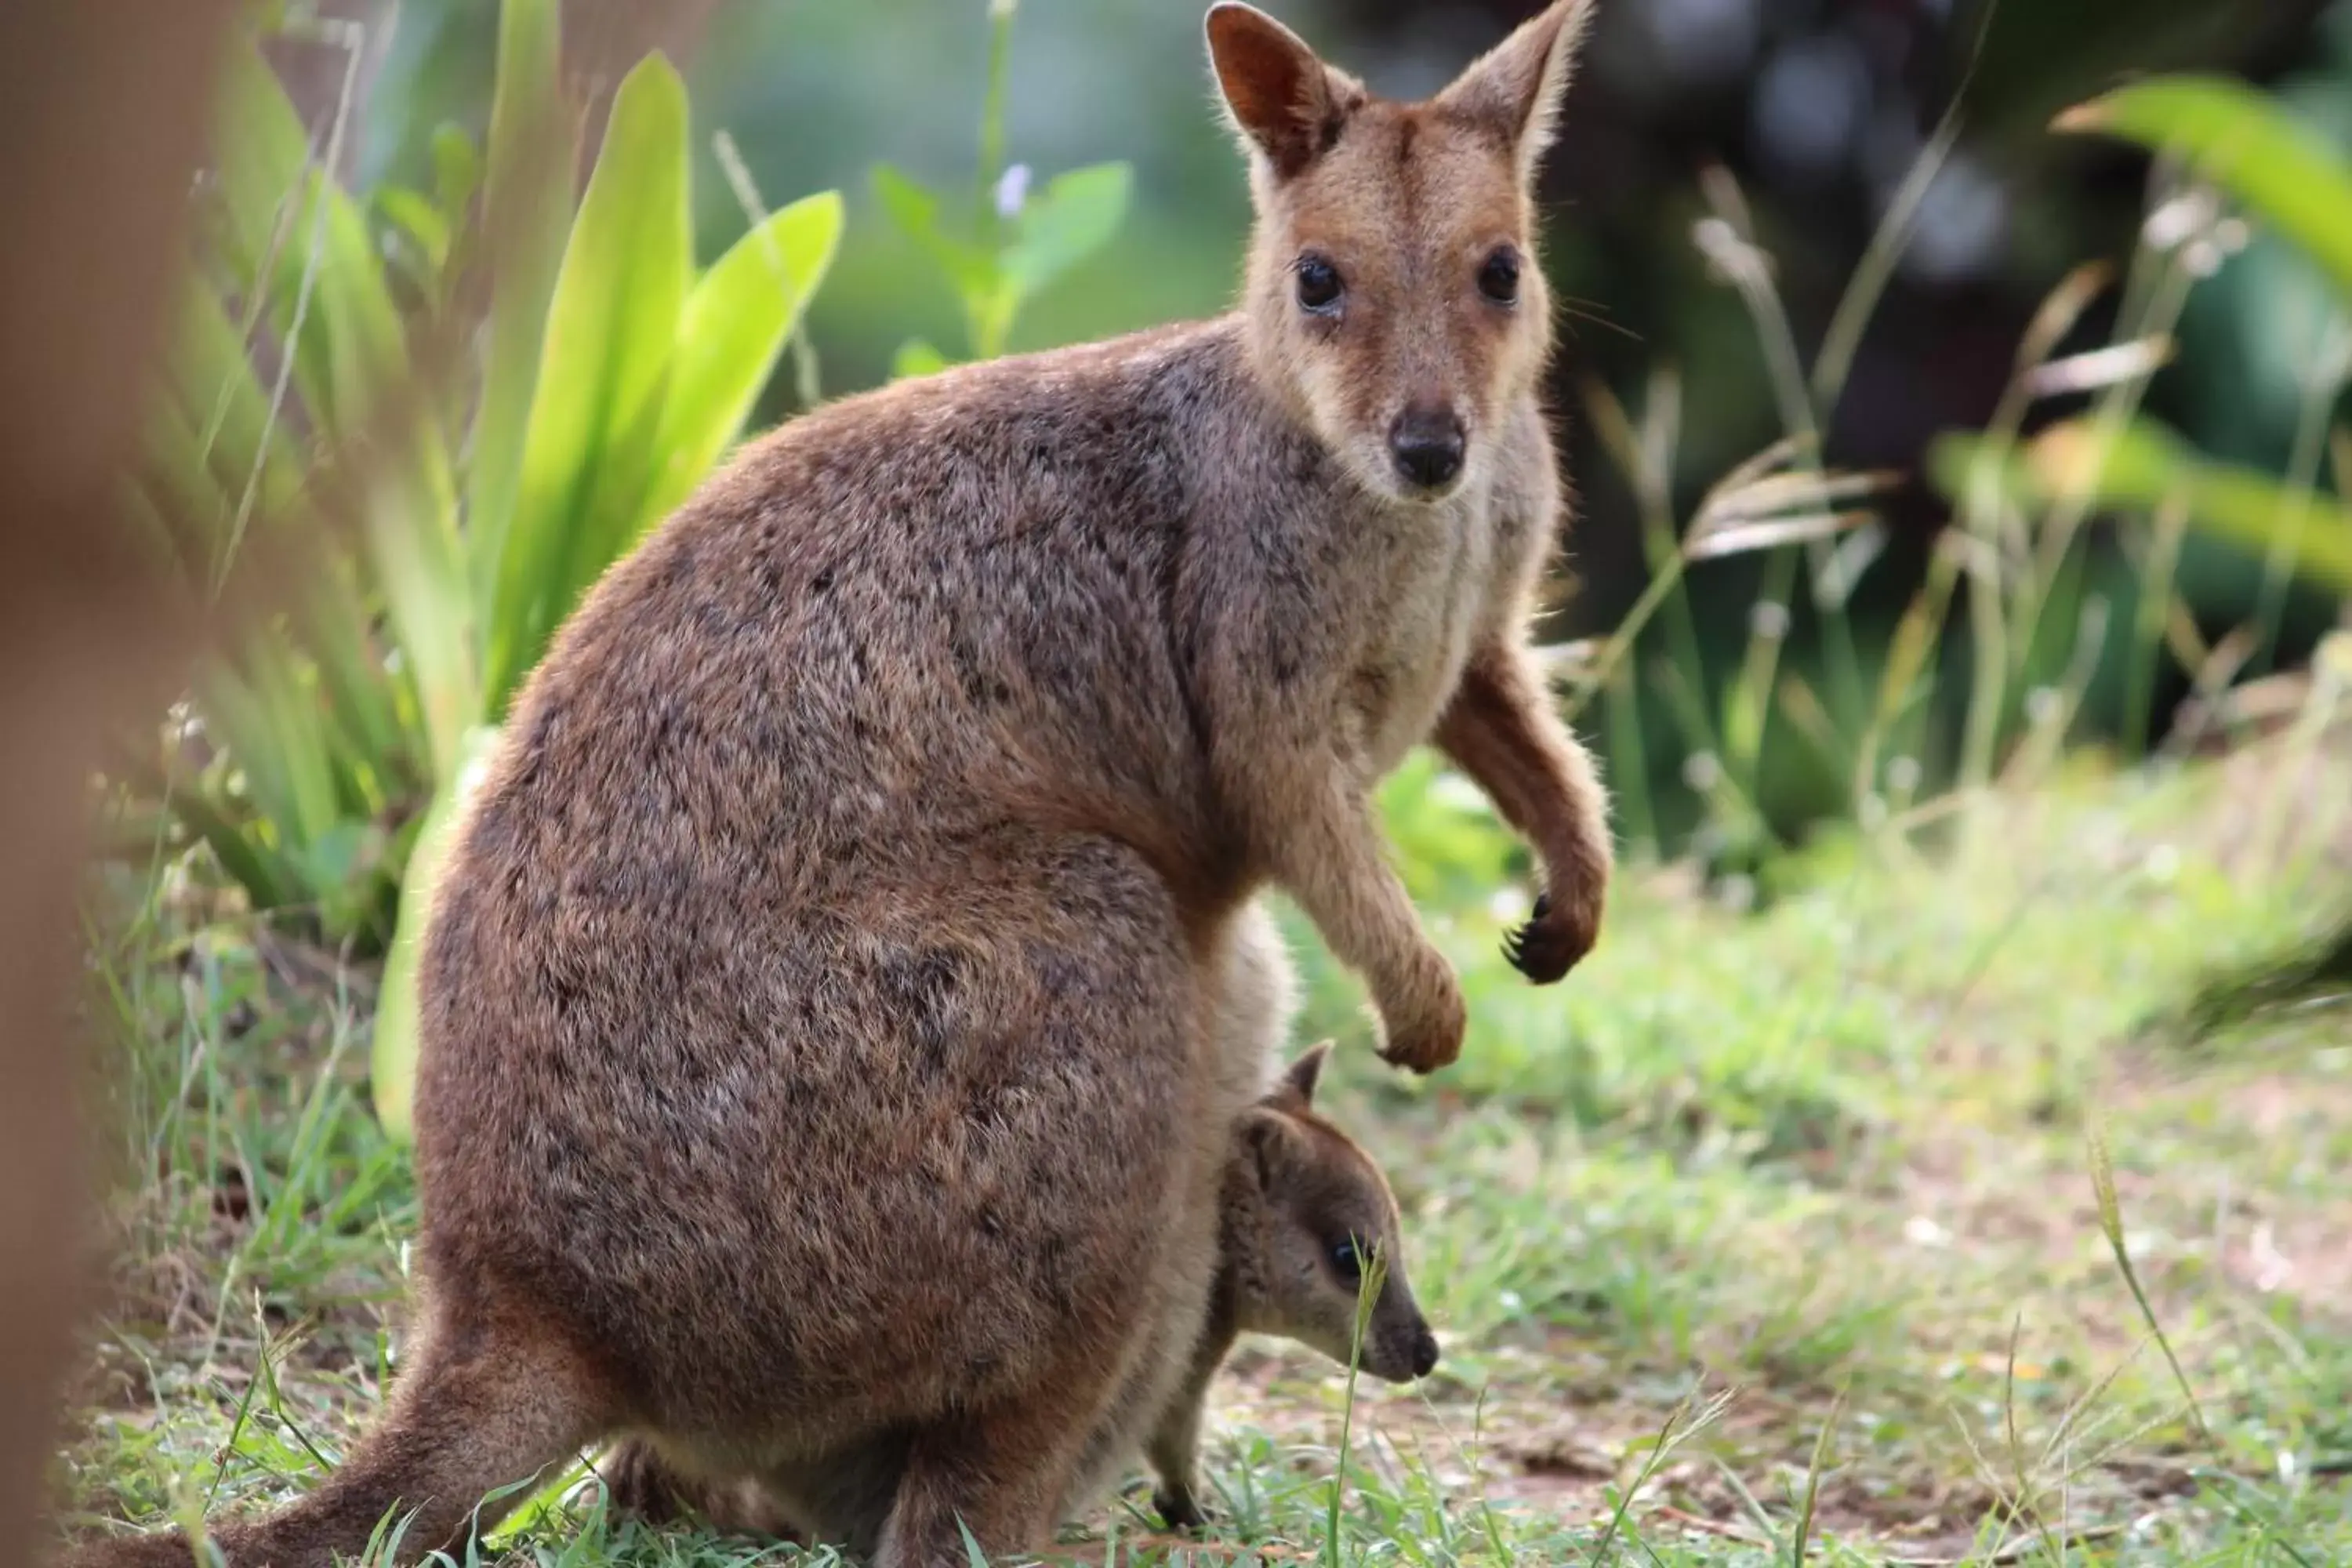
{"x": 476, "y": 1413}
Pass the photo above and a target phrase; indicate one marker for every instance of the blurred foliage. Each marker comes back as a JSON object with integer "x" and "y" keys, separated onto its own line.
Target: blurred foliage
{"x": 613, "y": 374}
{"x": 2215, "y": 134}
{"x": 1018, "y": 245}
{"x": 2141, "y": 466}
{"x": 2230, "y": 135}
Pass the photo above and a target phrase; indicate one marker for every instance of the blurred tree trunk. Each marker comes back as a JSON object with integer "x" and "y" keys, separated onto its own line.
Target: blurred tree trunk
{"x": 103, "y": 110}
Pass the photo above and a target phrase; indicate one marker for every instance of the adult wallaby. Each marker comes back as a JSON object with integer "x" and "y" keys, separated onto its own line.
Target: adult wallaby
{"x": 822, "y": 1036}
{"x": 1301, "y": 1212}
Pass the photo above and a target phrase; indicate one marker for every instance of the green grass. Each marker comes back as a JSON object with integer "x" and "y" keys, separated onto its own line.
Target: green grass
{"x": 1768, "y": 1237}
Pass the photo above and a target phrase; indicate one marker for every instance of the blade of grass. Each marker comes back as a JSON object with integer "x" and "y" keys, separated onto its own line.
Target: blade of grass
{"x": 1867, "y": 283}
{"x": 1801, "y": 1540}
{"x": 2111, "y": 1225}
{"x": 1368, "y": 1291}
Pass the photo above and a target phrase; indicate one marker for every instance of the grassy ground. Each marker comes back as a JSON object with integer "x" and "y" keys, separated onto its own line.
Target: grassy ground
{"x": 1771, "y": 1235}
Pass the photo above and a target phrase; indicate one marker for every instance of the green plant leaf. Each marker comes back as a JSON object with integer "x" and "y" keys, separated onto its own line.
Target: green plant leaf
{"x": 303, "y": 240}
{"x": 2243, "y": 141}
{"x": 343, "y": 869}
{"x": 416, "y": 566}
{"x": 224, "y": 410}
{"x": 1073, "y": 218}
{"x": 2146, "y": 465}
{"x": 916, "y": 357}
{"x": 393, "y": 1076}
{"x": 302, "y": 702}
{"x": 456, "y": 166}
{"x": 385, "y": 759}
{"x": 288, "y": 767}
{"x": 276, "y": 237}
{"x": 588, "y": 448}
{"x": 241, "y": 717}
{"x": 418, "y": 221}
{"x": 269, "y": 880}
{"x": 915, "y": 212}
{"x": 735, "y": 325}
{"x": 527, "y": 214}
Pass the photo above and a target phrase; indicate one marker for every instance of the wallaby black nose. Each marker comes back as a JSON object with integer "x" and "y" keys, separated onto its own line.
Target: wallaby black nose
{"x": 1425, "y": 1353}
{"x": 1427, "y": 445}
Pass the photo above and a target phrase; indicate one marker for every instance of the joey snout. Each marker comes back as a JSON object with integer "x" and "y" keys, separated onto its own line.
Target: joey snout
{"x": 1404, "y": 1351}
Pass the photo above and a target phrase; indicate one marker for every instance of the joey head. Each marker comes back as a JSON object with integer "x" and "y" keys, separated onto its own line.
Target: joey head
{"x": 1310, "y": 1249}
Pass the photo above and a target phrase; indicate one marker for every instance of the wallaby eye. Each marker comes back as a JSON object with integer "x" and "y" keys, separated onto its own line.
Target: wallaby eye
{"x": 1348, "y": 1261}
{"x": 1498, "y": 276}
{"x": 1318, "y": 286}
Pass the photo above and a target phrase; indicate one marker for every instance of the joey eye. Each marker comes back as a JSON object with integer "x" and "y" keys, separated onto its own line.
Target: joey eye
{"x": 1319, "y": 287}
{"x": 1348, "y": 1261}
{"x": 1498, "y": 276}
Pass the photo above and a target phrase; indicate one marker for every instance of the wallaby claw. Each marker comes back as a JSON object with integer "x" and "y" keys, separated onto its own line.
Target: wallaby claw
{"x": 1547, "y": 947}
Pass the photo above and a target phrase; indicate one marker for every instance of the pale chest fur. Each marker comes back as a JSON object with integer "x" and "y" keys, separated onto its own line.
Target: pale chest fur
{"x": 1457, "y": 574}
{"x": 1446, "y": 578}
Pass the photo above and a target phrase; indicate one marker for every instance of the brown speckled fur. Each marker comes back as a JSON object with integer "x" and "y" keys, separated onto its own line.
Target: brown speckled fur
{"x": 826, "y": 1010}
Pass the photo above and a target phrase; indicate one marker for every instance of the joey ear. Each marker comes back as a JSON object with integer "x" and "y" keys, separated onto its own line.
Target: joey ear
{"x": 1268, "y": 1135}
{"x": 1300, "y": 1077}
{"x": 1515, "y": 87}
{"x": 1286, "y": 102}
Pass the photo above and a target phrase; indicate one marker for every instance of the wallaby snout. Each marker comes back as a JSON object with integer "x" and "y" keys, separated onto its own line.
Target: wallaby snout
{"x": 1399, "y": 1352}
{"x": 1428, "y": 442}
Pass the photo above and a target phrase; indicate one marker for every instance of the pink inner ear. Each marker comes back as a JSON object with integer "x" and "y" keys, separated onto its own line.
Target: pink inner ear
{"x": 1269, "y": 81}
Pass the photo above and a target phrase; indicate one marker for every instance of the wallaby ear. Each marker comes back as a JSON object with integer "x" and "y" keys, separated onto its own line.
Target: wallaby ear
{"x": 1287, "y": 103}
{"x": 1300, "y": 1077}
{"x": 1515, "y": 87}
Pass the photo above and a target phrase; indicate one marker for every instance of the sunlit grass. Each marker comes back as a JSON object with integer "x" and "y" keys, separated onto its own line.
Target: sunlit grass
{"x": 1808, "y": 1191}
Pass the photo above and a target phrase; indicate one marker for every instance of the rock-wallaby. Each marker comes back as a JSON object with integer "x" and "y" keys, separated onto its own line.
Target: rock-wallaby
{"x": 822, "y": 1018}
{"x": 1301, "y": 1211}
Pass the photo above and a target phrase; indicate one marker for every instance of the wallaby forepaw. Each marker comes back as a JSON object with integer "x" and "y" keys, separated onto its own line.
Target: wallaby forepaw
{"x": 1415, "y": 1056}
{"x": 1553, "y": 941}
{"x": 1433, "y": 1038}
{"x": 1178, "y": 1510}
